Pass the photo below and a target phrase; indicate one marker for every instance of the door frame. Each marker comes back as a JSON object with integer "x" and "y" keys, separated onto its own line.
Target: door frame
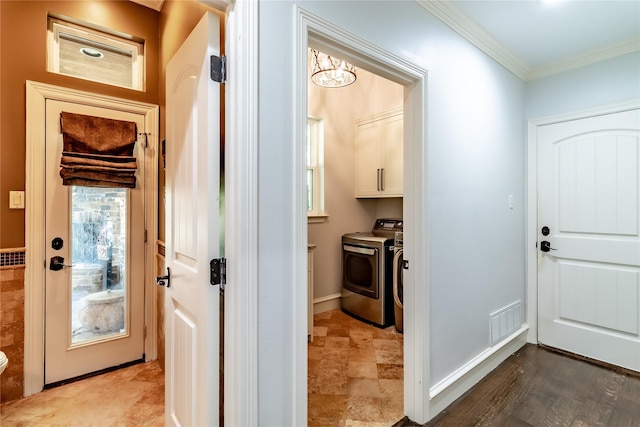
{"x": 332, "y": 39}
{"x": 241, "y": 402}
{"x": 532, "y": 199}
{"x": 34, "y": 327}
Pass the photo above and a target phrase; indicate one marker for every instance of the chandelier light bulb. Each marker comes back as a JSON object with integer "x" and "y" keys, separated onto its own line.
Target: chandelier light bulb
{"x": 327, "y": 71}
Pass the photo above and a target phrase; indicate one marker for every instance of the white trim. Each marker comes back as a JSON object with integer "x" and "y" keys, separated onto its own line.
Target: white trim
{"x": 315, "y": 32}
{"x": 317, "y": 219}
{"x": 379, "y": 116}
{"x": 474, "y": 33}
{"x": 241, "y": 205}
{"x": 460, "y": 22}
{"x": 219, "y": 5}
{"x": 445, "y": 392}
{"x": 37, "y": 94}
{"x": 151, "y": 4}
{"x": 585, "y": 59}
{"x": 532, "y": 197}
{"x": 300, "y": 309}
{"x": 328, "y": 303}
{"x": 152, "y": 122}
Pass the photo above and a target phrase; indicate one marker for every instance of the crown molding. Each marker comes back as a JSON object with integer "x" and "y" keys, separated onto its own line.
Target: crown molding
{"x": 452, "y": 16}
{"x": 585, "y": 59}
{"x": 467, "y": 28}
{"x": 151, "y": 4}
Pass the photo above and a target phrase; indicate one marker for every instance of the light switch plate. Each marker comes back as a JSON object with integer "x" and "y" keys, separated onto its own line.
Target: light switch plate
{"x": 16, "y": 199}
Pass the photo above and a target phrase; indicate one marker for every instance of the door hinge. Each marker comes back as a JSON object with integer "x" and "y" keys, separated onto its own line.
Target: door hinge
{"x": 145, "y": 236}
{"x": 218, "y": 271}
{"x": 219, "y": 68}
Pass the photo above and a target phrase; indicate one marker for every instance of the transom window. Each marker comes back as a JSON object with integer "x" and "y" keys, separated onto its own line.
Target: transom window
{"x": 89, "y": 54}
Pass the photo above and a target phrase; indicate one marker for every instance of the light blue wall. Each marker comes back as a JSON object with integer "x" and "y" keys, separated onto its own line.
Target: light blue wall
{"x": 608, "y": 82}
{"x": 475, "y": 130}
{"x": 476, "y": 160}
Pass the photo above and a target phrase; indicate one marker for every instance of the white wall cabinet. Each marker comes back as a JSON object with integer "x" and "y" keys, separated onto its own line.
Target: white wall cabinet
{"x": 379, "y": 158}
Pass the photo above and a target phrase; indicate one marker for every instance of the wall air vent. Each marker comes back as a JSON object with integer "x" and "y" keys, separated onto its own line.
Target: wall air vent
{"x": 505, "y": 321}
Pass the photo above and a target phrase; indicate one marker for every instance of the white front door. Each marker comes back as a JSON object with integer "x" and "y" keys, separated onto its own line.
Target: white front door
{"x": 95, "y": 252}
{"x": 193, "y": 230}
{"x": 589, "y": 269}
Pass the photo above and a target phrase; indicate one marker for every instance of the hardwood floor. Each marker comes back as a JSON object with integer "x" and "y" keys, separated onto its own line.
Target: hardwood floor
{"x": 538, "y": 387}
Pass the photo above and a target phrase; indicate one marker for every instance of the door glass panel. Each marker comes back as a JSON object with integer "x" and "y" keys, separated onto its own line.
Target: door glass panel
{"x": 99, "y": 245}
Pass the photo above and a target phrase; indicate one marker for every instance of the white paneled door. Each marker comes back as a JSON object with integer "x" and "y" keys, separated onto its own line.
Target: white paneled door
{"x": 588, "y": 237}
{"x": 193, "y": 230}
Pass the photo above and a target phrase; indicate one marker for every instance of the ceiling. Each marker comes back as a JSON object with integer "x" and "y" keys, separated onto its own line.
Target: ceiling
{"x": 534, "y": 38}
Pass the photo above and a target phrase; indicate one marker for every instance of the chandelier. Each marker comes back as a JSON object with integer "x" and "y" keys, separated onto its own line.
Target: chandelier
{"x": 331, "y": 72}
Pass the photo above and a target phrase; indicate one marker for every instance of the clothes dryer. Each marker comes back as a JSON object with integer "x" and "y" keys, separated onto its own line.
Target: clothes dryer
{"x": 367, "y": 273}
{"x": 398, "y": 285}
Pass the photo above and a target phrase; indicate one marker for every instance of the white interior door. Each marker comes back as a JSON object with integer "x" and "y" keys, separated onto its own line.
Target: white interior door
{"x": 589, "y": 279}
{"x": 94, "y": 304}
{"x": 192, "y": 235}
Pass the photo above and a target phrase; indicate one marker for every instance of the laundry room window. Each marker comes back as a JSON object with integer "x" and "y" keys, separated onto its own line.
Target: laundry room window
{"x": 315, "y": 170}
{"x": 86, "y": 53}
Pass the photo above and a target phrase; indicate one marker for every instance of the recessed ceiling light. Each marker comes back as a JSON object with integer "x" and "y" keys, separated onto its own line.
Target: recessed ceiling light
{"x": 93, "y": 53}
{"x": 550, "y": 2}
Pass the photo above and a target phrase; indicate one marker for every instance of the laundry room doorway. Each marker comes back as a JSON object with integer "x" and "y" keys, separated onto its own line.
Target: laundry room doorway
{"x": 344, "y": 333}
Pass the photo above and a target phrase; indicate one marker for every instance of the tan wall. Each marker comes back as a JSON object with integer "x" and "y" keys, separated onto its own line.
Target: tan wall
{"x": 23, "y": 32}
{"x": 340, "y": 108}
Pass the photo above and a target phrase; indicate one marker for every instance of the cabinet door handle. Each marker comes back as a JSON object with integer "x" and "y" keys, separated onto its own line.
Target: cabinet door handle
{"x": 382, "y": 179}
{"x": 378, "y": 181}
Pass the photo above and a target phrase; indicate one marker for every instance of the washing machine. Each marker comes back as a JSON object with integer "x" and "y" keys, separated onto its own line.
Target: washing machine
{"x": 398, "y": 275}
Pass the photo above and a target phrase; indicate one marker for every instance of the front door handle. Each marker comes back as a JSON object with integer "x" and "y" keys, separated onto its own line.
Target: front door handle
{"x": 545, "y": 246}
{"x": 164, "y": 280}
{"x": 57, "y": 263}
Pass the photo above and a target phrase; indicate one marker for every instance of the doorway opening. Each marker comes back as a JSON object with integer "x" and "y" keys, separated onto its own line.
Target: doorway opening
{"x": 356, "y": 359}
{"x": 327, "y": 38}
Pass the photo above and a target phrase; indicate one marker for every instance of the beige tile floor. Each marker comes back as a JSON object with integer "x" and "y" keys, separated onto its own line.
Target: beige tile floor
{"x": 355, "y": 373}
{"x": 132, "y": 396}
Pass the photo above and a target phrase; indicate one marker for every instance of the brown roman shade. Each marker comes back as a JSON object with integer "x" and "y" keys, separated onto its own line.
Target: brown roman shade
{"x": 97, "y": 152}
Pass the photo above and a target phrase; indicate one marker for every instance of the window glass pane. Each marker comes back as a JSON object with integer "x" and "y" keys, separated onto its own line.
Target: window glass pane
{"x": 310, "y": 144}
{"x": 83, "y": 52}
{"x": 81, "y": 57}
{"x": 309, "y": 190}
{"x": 99, "y": 245}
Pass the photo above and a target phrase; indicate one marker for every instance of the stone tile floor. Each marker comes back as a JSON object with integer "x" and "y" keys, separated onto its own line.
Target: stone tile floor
{"x": 355, "y": 373}
{"x": 132, "y": 396}
{"x": 355, "y": 380}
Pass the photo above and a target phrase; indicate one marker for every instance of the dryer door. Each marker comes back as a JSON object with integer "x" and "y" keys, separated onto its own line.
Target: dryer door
{"x": 398, "y": 275}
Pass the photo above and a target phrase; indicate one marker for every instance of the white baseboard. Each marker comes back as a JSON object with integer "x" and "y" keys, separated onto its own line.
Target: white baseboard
{"x": 459, "y": 382}
{"x": 328, "y": 303}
